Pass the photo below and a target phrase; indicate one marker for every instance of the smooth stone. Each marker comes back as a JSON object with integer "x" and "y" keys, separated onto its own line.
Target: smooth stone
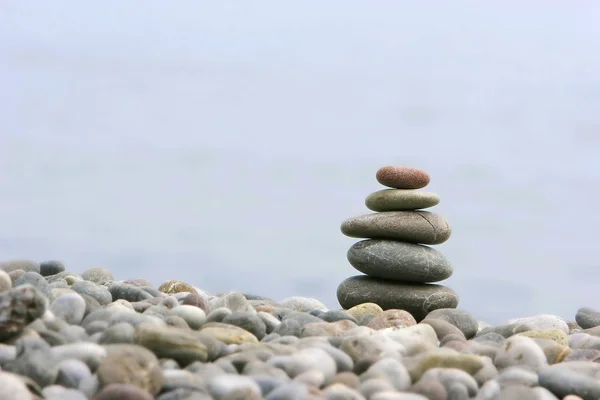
{"x": 449, "y": 377}
{"x": 271, "y": 323}
{"x": 130, "y": 293}
{"x": 583, "y": 340}
{"x": 583, "y": 355}
{"x": 422, "y": 227}
{"x": 301, "y": 317}
{"x": 401, "y": 200}
{"x": 51, "y": 267}
{"x": 562, "y": 381}
{"x": 417, "y": 299}
{"x": 309, "y": 359}
{"x": 24, "y": 265}
{"x": 397, "y": 396}
{"x": 414, "y": 339}
{"x": 122, "y": 391}
{"x": 399, "y": 261}
{"x": 19, "y": 307}
{"x": 90, "y": 354}
{"x": 391, "y": 370}
{"x": 248, "y": 321}
{"x": 337, "y": 329}
{"x": 13, "y": 387}
{"x": 520, "y": 351}
{"x": 342, "y": 360}
{"x": 195, "y": 317}
{"x": 5, "y": 281}
{"x": 506, "y": 330}
{"x": 228, "y": 334}
{"x": 71, "y": 373}
{"x": 517, "y": 376}
{"x": 34, "y": 279}
{"x": 392, "y": 318}
{"x": 55, "y": 392}
{"x": 291, "y": 391}
{"x": 98, "y": 292}
{"x": 555, "y": 335}
{"x": 234, "y": 387}
{"x": 362, "y": 347}
{"x": 444, "y": 328}
{"x": 218, "y": 314}
{"x": 402, "y": 177}
{"x": 121, "y": 332}
{"x": 469, "y": 363}
{"x": 197, "y": 300}
{"x": 305, "y": 304}
{"x": 16, "y": 274}
{"x": 70, "y": 307}
{"x": 131, "y": 364}
{"x": 543, "y": 322}
{"x": 361, "y": 310}
{"x": 289, "y": 327}
{"x": 182, "y": 379}
{"x": 7, "y": 352}
{"x": 234, "y": 301}
{"x": 368, "y": 388}
{"x": 183, "y": 346}
{"x": 176, "y": 286}
{"x": 35, "y": 360}
{"x": 98, "y": 275}
{"x": 341, "y": 392}
{"x": 587, "y": 317}
{"x": 463, "y": 320}
{"x": 525, "y": 393}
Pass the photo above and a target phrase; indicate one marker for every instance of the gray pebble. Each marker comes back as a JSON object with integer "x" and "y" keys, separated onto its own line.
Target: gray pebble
{"x": 519, "y": 376}
{"x": 234, "y": 302}
{"x": 51, "y": 267}
{"x": 71, "y": 373}
{"x": 56, "y": 392}
{"x": 306, "y": 359}
{"x": 35, "y": 360}
{"x": 122, "y": 391}
{"x": 271, "y": 323}
{"x": 337, "y": 315}
{"x": 305, "y": 304}
{"x": 99, "y": 293}
{"x": 5, "y": 281}
{"x": 89, "y": 353}
{"x": 506, "y": 330}
{"x": 390, "y": 369}
{"x": 184, "y": 394}
{"x": 397, "y": 396}
{"x": 450, "y": 376}
{"x": 34, "y": 279}
{"x": 128, "y": 292}
{"x": 248, "y": 321}
{"x": 463, "y": 320}
{"x": 587, "y": 317}
{"x": 13, "y": 387}
{"x": 268, "y": 383}
{"x": 7, "y": 352}
{"x": 520, "y": 351}
{"x": 24, "y": 265}
{"x": 301, "y": 317}
{"x": 289, "y": 327}
{"x": 98, "y": 275}
{"x": 341, "y": 392}
{"x": 561, "y": 381}
{"x": 289, "y": 391}
{"x": 217, "y": 314}
{"x": 370, "y": 387}
{"x": 193, "y": 316}
{"x": 121, "y": 332}
{"x": 70, "y": 307}
{"x": 182, "y": 379}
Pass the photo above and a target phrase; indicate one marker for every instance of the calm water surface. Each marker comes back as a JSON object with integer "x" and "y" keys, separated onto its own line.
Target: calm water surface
{"x": 224, "y": 143}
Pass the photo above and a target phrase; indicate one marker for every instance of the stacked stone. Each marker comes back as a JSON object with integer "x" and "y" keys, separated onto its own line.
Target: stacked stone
{"x": 399, "y": 265}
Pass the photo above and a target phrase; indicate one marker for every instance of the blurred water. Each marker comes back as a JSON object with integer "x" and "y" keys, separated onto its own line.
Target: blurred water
{"x": 224, "y": 142}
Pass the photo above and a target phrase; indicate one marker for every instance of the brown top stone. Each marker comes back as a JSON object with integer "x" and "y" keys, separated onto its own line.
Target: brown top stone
{"x": 402, "y": 177}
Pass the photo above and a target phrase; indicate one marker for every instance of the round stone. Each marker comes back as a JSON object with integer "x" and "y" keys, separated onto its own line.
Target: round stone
{"x": 416, "y": 298}
{"x": 174, "y": 286}
{"x": 401, "y": 200}
{"x": 587, "y": 317}
{"x": 51, "y": 267}
{"x": 402, "y": 177}
{"x": 389, "y": 259}
{"x": 407, "y": 226}
{"x": 5, "y": 281}
{"x": 98, "y": 275}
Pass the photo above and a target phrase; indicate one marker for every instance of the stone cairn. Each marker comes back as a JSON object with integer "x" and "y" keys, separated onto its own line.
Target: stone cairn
{"x": 398, "y": 265}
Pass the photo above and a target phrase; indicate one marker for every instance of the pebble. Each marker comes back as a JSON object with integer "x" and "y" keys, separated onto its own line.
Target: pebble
{"x": 123, "y": 391}
{"x": 587, "y": 317}
{"x": 543, "y": 322}
{"x": 520, "y": 351}
{"x": 34, "y": 279}
{"x": 70, "y": 307}
{"x": 305, "y": 304}
{"x": 181, "y": 345}
{"x": 175, "y": 286}
{"x": 5, "y": 281}
{"x": 417, "y": 299}
{"x": 401, "y": 200}
{"x": 18, "y": 308}
{"x": 248, "y": 321}
{"x": 390, "y": 259}
{"x": 13, "y": 387}
{"x": 24, "y": 265}
{"x": 51, "y": 267}
{"x": 233, "y": 301}
{"x": 402, "y": 177}
{"x": 229, "y": 334}
{"x": 234, "y": 387}
{"x": 100, "y": 293}
{"x": 392, "y": 318}
{"x": 461, "y": 319}
{"x": 422, "y": 227}
{"x": 195, "y": 317}
{"x": 98, "y": 275}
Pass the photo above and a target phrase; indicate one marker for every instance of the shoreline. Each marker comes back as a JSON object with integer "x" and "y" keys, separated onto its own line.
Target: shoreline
{"x": 67, "y": 335}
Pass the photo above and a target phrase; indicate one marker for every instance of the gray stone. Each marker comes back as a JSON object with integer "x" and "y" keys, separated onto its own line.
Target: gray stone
{"x": 341, "y": 392}
{"x": 305, "y": 304}
{"x": 35, "y": 360}
{"x": 289, "y": 327}
{"x": 562, "y": 381}
{"x": 390, "y": 369}
{"x": 389, "y": 259}
{"x": 217, "y": 314}
{"x": 337, "y": 315}
{"x": 417, "y": 298}
{"x": 304, "y": 360}
{"x": 290, "y": 391}
{"x": 184, "y": 394}
{"x": 401, "y": 200}
{"x": 98, "y": 275}
{"x": 543, "y": 322}
{"x": 123, "y": 391}
{"x": 406, "y": 226}
{"x": 370, "y": 387}
{"x": 71, "y": 373}
{"x": 89, "y": 353}
{"x": 234, "y": 301}
{"x": 51, "y": 267}
{"x": 193, "y": 316}
{"x": 18, "y": 308}
{"x": 70, "y": 307}
{"x": 519, "y": 376}
{"x": 13, "y": 387}
{"x": 56, "y": 392}
{"x": 587, "y": 317}
{"x": 130, "y": 293}
{"x": 271, "y": 323}
{"x": 450, "y": 376}
{"x": 182, "y": 379}
{"x": 34, "y": 279}
{"x": 24, "y": 265}
{"x": 121, "y": 332}
{"x": 463, "y": 320}
{"x": 520, "y": 351}
{"x": 248, "y": 321}
{"x": 99, "y": 293}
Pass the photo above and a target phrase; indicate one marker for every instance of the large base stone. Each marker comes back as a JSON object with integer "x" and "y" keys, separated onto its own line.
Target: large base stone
{"x": 416, "y": 298}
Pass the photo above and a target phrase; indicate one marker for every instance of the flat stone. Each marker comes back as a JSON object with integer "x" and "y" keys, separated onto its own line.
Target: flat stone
{"x": 416, "y": 298}
{"x": 98, "y": 275}
{"x": 51, "y": 267}
{"x": 389, "y": 259}
{"x": 183, "y": 346}
{"x": 543, "y": 322}
{"x": 24, "y": 265}
{"x": 562, "y": 381}
{"x": 402, "y": 177}
{"x": 463, "y": 320}
{"x": 228, "y": 334}
{"x": 587, "y": 317}
{"x": 407, "y": 226}
{"x": 392, "y": 319}
{"x": 401, "y": 200}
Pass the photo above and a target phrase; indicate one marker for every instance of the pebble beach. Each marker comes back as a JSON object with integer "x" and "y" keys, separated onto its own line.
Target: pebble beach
{"x": 73, "y": 336}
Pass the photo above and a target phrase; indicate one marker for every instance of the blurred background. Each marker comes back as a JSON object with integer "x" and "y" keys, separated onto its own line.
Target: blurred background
{"x": 223, "y": 143}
